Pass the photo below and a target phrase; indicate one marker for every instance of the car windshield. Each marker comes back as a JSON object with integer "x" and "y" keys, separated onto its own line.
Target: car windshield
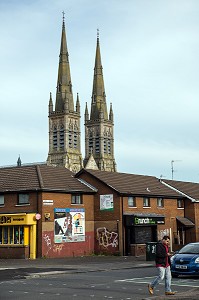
{"x": 190, "y": 249}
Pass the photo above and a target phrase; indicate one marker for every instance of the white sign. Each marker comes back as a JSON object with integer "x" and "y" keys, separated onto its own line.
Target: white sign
{"x": 106, "y": 202}
{"x": 48, "y": 202}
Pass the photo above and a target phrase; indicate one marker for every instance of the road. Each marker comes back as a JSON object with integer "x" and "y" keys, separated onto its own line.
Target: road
{"x": 122, "y": 284}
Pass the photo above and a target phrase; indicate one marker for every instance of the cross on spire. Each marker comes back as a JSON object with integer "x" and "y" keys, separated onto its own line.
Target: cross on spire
{"x": 63, "y": 13}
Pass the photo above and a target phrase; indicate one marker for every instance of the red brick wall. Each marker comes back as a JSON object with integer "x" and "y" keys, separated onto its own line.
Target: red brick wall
{"x": 108, "y": 224}
{"x": 14, "y": 252}
{"x": 11, "y": 204}
{"x": 51, "y": 249}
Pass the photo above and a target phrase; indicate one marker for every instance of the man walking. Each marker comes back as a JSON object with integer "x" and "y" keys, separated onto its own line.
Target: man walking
{"x": 163, "y": 266}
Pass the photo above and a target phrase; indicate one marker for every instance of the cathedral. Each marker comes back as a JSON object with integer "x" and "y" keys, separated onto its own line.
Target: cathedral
{"x": 64, "y": 120}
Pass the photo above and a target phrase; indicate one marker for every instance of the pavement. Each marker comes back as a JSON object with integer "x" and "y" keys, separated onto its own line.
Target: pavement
{"x": 11, "y": 269}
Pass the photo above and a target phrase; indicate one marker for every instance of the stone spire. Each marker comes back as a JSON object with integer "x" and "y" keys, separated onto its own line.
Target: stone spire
{"x": 64, "y": 84}
{"x": 64, "y": 121}
{"x": 98, "y": 93}
{"x": 99, "y": 139}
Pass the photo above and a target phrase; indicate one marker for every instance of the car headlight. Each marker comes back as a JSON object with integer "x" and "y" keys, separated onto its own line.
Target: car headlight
{"x": 197, "y": 260}
{"x": 172, "y": 258}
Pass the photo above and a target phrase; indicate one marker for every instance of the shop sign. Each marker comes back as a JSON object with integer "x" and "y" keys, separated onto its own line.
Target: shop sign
{"x": 12, "y": 220}
{"x": 148, "y": 220}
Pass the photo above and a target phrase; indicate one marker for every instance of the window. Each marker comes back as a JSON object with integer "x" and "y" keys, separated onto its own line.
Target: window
{"x": 97, "y": 144}
{"x": 160, "y": 202}
{"x": 1, "y": 199}
{"x": 180, "y": 203}
{"x": 23, "y": 199}
{"x": 55, "y": 138}
{"x": 61, "y": 137}
{"x": 104, "y": 145}
{"x": 131, "y": 202}
{"x": 75, "y": 139}
{"x": 12, "y": 235}
{"x": 70, "y": 139}
{"x": 109, "y": 146}
{"x": 76, "y": 199}
{"x": 146, "y": 202}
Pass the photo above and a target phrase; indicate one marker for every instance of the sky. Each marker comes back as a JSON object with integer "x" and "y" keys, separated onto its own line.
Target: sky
{"x": 150, "y": 58}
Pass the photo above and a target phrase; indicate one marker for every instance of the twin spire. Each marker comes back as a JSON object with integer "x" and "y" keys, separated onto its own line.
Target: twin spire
{"x": 64, "y": 120}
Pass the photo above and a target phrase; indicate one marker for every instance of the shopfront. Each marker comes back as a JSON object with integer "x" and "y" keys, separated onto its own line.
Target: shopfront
{"x": 139, "y": 230}
{"x": 18, "y": 235}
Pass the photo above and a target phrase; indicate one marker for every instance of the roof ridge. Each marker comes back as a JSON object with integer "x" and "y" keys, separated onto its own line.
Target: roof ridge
{"x": 40, "y": 179}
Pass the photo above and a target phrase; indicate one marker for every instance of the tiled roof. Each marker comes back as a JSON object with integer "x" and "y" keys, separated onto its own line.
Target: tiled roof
{"x": 132, "y": 184}
{"x": 34, "y": 177}
{"x": 190, "y": 189}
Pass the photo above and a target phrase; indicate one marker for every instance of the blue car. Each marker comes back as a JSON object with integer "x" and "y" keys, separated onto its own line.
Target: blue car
{"x": 186, "y": 261}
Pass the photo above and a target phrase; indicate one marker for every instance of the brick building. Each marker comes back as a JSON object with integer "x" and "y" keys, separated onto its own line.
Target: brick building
{"x": 188, "y": 226}
{"x": 131, "y": 210}
{"x": 44, "y": 212}
{"x": 48, "y": 211}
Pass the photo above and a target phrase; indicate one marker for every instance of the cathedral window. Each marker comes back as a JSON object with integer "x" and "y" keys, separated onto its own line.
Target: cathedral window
{"x": 55, "y": 138}
{"x": 75, "y": 139}
{"x": 97, "y": 144}
{"x": 70, "y": 139}
{"x": 109, "y": 146}
{"x": 61, "y": 137}
{"x": 90, "y": 142}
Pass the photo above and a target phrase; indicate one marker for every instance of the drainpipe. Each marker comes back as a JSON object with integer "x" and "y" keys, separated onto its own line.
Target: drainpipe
{"x": 122, "y": 229}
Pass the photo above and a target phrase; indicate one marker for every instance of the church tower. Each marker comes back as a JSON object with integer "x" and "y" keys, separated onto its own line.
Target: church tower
{"x": 99, "y": 136}
{"x": 64, "y": 121}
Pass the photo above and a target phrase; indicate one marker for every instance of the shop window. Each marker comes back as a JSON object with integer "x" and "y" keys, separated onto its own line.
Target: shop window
{"x": 131, "y": 202}
{"x": 180, "y": 203}
{"x": 23, "y": 199}
{"x": 1, "y": 200}
{"x": 76, "y": 199}
{"x": 160, "y": 202}
{"x": 11, "y": 235}
{"x": 146, "y": 202}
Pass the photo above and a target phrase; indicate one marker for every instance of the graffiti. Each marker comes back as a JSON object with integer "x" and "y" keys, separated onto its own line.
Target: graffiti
{"x": 48, "y": 242}
{"x": 57, "y": 248}
{"x": 107, "y": 238}
{"x": 162, "y": 232}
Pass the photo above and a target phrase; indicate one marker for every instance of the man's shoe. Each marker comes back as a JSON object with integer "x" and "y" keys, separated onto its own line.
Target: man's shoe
{"x": 150, "y": 289}
{"x": 169, "y": 293}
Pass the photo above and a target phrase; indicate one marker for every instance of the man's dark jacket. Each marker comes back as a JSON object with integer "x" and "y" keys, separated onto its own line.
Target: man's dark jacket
{"x": 161, "y": 255}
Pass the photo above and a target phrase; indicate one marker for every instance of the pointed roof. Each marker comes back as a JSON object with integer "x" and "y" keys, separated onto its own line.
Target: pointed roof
{"x": 40, "y": 177}
{"x": 64, "y": 83}
{"x": 91, "y": 163}
{"x": 187, "y": 189}
{"x": 132, "y": 184}
{"x": 98, "y": 93}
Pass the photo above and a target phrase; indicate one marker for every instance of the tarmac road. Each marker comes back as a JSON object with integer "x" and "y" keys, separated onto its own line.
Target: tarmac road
{"x": 12, "y": 269}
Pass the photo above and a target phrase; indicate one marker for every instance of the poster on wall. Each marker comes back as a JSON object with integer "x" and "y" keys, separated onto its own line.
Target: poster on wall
{"x": 106, "y": 202}
{"x": 69, "y": 225}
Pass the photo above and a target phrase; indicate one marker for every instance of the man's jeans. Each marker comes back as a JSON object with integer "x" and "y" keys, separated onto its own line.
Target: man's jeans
{"x": 163, "y": 272}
